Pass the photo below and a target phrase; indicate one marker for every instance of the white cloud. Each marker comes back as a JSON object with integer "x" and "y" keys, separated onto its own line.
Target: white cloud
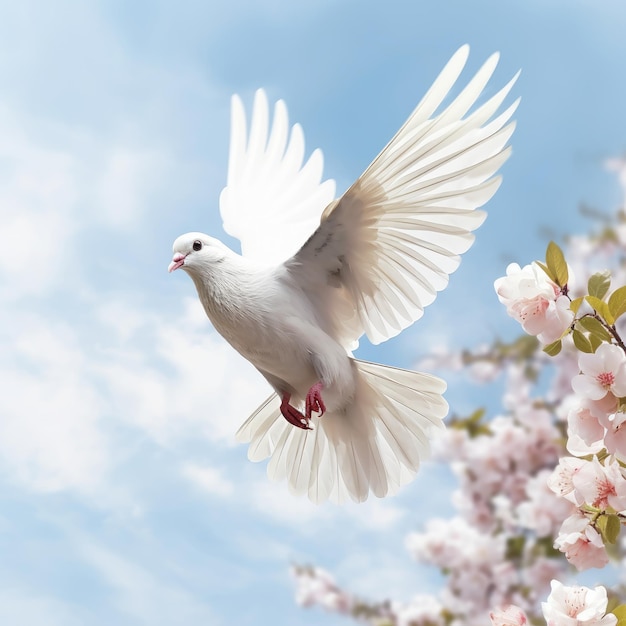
{"x": 209, "y": 479}
{"x": 141, "y": 594}
{"x": 50, "y": 431}
{"x": 37, "y": 194}
{"x": 19, "y": 607}
{"x": 377, "y": 515}
{"x": 175, "y": 380}
{"x": 263, "y": 546}
{"x": 274, "y": 500}
{"x": 129, "y": 179}
{"x": 378, "y": 574}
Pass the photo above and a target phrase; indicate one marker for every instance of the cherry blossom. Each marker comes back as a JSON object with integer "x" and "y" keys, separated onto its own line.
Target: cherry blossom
{"x": 577, "y": 606}
{"x": 583, "y": 427}
{"x": 562, "y": 479}
{"x": 542, "y": 511}
{"x": 423, "y": 609}
{"x": 602, "y": 372}
{"x": 317, "y": 586}
{"x": 601, "y": 485}
{"x": 479, "y": 572}
{"x": 581, "y": 543}
{"x": 510, "y": 616}
{"x": 537, "y": 576}
{"x": 454, "y": 542}
{"x": 615, "y": 436}
{"x": 534, "y": 301}
{"x": 587, "y": 424}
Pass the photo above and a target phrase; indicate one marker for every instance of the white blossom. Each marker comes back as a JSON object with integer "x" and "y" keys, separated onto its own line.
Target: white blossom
{"x": 534, "y": 301}
{"x": 581, "y": 543}
{"x": 602, "y": 372}
{"x": 577, "y": 606}
{"x": 510, "y": 616}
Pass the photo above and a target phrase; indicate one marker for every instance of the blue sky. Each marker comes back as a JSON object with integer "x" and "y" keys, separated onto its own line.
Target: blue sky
{"x": 123, "y": 497}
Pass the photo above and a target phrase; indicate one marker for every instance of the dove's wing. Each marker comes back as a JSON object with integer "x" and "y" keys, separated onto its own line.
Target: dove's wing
{"x": 272, "y": 201}
{"x": 387, "y": 246}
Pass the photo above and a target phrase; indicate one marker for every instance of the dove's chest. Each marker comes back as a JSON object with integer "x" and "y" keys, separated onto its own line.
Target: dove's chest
{"x": 262, "y": 323}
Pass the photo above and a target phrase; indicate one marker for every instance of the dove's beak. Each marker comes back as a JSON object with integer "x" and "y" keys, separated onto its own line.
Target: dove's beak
{"x": 177, "y": 261}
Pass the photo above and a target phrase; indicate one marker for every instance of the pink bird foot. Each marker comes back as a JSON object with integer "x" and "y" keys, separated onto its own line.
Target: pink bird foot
{"x": 314, "y": 401}
{"x": 292, "y": 415}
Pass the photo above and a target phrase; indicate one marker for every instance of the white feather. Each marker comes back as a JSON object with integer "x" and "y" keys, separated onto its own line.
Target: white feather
{"x": 272, "y": 202}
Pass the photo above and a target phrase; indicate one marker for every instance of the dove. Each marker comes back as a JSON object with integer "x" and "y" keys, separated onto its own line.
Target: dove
{"x": 316, "y": 273}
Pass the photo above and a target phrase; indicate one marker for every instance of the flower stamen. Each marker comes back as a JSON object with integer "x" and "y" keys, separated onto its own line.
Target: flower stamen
{"x": 606, "y": 379}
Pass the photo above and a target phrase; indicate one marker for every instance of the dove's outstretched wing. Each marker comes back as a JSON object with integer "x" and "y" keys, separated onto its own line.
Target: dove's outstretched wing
{"x": 273, "y": 200}
{"x": 387, "y": 246}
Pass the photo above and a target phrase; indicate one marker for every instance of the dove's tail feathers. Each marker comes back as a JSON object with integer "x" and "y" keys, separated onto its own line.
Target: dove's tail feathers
{"x": 375, "y": 444}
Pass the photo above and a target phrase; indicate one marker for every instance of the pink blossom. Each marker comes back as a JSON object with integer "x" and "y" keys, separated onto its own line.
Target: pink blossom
{"x": 615, "y": 436}
{"x": 602, "y": 372}
{"x": 601, "y": 486}
{"x": 454, "y": 543}
{"x": 543, "y": 512}
{"x": 317, "y": 586}
{"x": 422, "y": 609}
{"x": 510, "y": 616}
{"x": 480, "y": 575}
{"x": 537, "y": 576}
{"x": 583, "y": 423}
{"x": 577, "y": 606}
{"x": 576, "y": 445}
{"x": 562, "y": 479}
{"x": 534, "y": 301}
{"x": 587, "y": 423}
{"x": 581, "y": 543}
{"x": 601, "y": 409}
{"x": 484, "y": 371}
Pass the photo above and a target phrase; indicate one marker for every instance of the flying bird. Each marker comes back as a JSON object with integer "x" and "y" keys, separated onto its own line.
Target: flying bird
{"x": 317, "y": 272}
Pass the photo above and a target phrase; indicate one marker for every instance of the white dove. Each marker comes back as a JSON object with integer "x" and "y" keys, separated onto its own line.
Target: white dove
{"x": 374, "y": 258}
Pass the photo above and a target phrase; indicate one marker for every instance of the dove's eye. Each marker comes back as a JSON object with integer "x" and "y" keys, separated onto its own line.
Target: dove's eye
{"x": 197, "y": 245}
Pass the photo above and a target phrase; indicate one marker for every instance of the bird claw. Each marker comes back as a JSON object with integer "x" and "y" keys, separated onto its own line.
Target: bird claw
{"x": 314, "y": 401}
{"x": 293, "y": 416}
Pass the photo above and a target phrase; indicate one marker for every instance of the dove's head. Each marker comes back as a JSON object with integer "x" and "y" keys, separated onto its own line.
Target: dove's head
{"x": 194, "y": 251}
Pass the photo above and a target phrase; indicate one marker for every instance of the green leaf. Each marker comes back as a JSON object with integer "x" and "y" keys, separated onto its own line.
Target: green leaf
{"x": 613, "y": 527}
{"x": 617, "y": 302}
{"x": 556, "y": 264}
{"x": 620, "y": 612}
{"x": 472, "y": 424}
{"x": 594, "y": 326}
{"x": 553, "y": 348}
{"x": 515, "y": 547}
{"x": 581, "y": 342}
{"x": 550, "y": 275}
{"x": 476, "y": 416}
{"x": 608, "y": 526}
{"x": 544, "y": 546}
{"x": 575, "y": 304}
{"x": 524, "y": 347}
{"x": 595, "y": 342}
{"x": 599, "y": 284}
{"x": 602, "y": 308}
